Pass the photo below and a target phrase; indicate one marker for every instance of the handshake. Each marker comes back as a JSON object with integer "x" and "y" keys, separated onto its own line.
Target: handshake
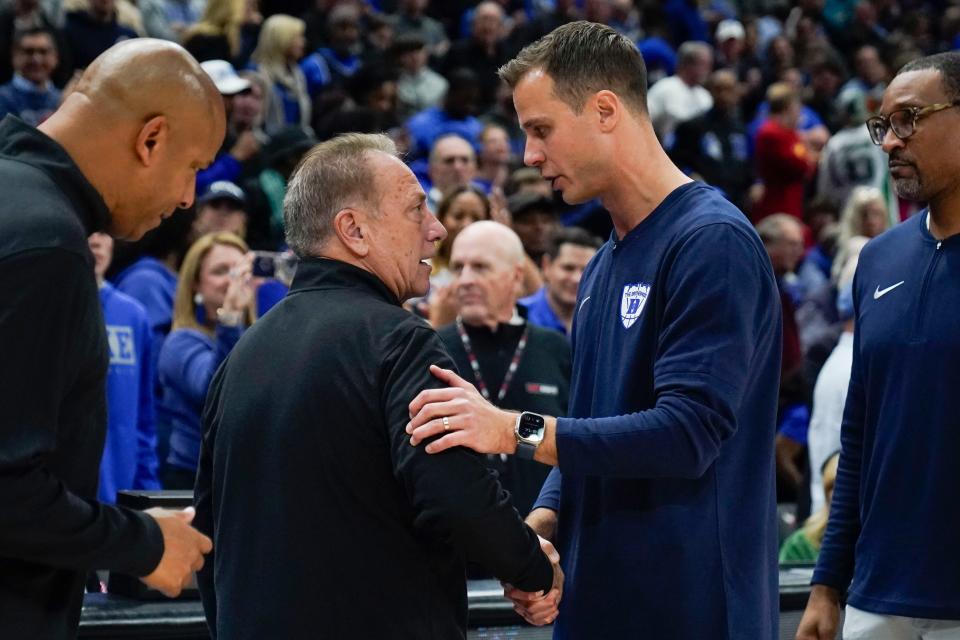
{"x": 183, "y": 551}
{"x": 539, "y": 608}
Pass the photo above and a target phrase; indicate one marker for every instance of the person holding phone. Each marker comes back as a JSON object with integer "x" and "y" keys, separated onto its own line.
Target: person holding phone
{"x": 214, "y": 303}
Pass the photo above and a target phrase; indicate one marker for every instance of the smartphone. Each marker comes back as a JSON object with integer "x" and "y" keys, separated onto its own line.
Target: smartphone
{"x": 265, "y": 264}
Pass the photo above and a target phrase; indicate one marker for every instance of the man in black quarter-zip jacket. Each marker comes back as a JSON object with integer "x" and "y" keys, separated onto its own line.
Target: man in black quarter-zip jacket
{"x": 120, "y": 153}
{"x": 326, "y": 522}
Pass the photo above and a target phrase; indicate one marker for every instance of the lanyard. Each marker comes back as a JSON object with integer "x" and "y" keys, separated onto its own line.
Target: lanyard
{"x": 475, "y": 365}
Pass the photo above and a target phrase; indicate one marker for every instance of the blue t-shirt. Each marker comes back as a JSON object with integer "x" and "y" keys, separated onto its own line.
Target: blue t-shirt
{"x": 894, "y": 517}
{"x": 28, "y": 102}
{"x": 130, "y": 450}
{"x": 540, "y": 313}
{"x": 665, "y": 483}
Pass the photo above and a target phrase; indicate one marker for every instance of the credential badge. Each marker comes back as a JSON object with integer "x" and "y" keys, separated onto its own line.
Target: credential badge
{"x": 632, "y": 303}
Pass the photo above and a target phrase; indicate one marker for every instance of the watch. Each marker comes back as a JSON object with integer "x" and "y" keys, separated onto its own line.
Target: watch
{"x": 529, "y": 431}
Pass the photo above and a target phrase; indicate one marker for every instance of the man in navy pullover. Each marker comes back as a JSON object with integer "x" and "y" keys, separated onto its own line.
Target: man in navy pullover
{"x": 894, "y": 518}
{"x": 662, "y": 504}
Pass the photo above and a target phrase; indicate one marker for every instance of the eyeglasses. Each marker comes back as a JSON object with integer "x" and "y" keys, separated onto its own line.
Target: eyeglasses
{"x": 902, "y": 121}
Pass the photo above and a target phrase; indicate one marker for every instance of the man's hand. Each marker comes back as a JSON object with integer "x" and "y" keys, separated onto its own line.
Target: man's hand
{"x": 536, "y": 608}
{"x": 543, "y": 521}
{"x": 471, "y": 421}
{"x": 245, "y": 147}
{"x": 183, "y": 551}
{"x": 822, "y": 615}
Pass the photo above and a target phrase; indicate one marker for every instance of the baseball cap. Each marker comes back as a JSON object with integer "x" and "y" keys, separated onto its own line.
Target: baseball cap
{"x": 225, "y": 77}
{"x": 223, "y": 190}
{"x": 730, "y": 29}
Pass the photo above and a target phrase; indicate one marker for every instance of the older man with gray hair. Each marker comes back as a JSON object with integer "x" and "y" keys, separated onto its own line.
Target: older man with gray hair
{"x": 682, "y": 96}
{"x": 307, "y": 481}
{"x": 515, "y": 364}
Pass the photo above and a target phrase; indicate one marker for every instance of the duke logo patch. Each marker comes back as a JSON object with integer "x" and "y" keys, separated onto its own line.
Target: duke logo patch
{"x": 632, "y": 303}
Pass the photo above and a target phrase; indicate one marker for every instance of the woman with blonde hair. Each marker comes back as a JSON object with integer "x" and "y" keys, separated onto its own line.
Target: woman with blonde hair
{"x": 216, "y": 36}
{"x": 213, "y": 304}
{"x": 865, "y": 214}
{"x": 279, "y": 48}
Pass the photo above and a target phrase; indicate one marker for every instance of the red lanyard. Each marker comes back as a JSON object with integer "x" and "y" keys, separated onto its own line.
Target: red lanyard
{"x": 475, "y": 365}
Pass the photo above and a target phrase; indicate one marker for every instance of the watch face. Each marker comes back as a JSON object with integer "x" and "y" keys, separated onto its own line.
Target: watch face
{"x": 530, "y": 427}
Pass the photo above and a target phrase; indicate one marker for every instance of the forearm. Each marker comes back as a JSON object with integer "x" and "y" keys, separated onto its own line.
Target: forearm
{"x": 544, "y": 522}
{"x": 43, "y": 522}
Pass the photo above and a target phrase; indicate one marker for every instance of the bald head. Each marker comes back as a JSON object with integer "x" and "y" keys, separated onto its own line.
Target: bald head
{"x": 143, "y": 76}
{"x": 142, "y": 120}
{"x": 495, "y": 238}
{"x": 487, "y": 263}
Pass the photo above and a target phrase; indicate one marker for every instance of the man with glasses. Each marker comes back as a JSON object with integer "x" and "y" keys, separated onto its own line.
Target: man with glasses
{"x": 31, "y": 95}
{"x": 894, "y": 517}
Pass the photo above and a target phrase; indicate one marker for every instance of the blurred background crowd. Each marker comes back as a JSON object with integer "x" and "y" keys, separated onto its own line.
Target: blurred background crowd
{"x": 762, "y": 99}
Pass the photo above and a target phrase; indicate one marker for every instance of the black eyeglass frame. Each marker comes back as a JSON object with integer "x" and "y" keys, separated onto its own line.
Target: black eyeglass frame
{"x": 879, "y": 125}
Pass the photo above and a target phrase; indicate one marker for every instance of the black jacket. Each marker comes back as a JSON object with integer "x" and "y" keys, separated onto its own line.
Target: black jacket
{"x": 714, "y": 147}
{"x": 52, "y": 396}
{"x": 326, "y": 522}
{"x": 541, "y": 384}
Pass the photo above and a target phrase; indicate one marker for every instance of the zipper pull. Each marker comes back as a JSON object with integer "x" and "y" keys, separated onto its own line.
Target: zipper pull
{"x": 939, "y": 242}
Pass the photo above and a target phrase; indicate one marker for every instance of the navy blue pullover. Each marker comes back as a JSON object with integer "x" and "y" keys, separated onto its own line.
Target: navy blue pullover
{"x": 667, "y": 524}
{"x": 894, "y": 517}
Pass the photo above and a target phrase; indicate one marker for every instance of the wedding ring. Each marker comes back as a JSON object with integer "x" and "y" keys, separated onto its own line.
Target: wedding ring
{"x": 446, "y": 423}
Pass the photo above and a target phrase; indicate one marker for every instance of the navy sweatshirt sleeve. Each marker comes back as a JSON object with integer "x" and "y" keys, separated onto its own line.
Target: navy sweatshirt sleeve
{"x": 835, "y": 562}
{"x": 549, "y": 497}
{"x": 46, "y": 326}
{"x": 704, "y": 351}
{"x": 454, "y": 496}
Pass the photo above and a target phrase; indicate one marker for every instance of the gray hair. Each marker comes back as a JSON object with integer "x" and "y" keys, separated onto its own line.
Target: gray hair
{"x": 333, "y": 175}
{"x": 773, "y": 228}
{"x": 691, "y": 50}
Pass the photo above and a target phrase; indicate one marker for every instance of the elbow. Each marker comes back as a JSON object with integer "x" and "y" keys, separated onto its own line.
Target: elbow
{"x": 699, "y": 463}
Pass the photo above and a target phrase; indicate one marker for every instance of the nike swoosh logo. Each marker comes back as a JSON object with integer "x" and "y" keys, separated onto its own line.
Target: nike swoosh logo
{"x": 879, "y": 293}
{"x": 583, "y": 303}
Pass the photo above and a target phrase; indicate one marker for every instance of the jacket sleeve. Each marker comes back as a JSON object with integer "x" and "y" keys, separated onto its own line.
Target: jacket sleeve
{"x": 549, "y": 497}
{"x": 455, "y": 497}
{"x": 49, "y": 311}
{"x": 720, "y": 303}
{"x": 187, "y": 363}
{"x": 835, "y": 563}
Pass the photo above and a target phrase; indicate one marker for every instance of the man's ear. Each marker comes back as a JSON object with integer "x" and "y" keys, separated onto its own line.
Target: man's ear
{"x": 152, "y": 139}
{"x": 349, "y": 226}
{"x": 608, "y": 107}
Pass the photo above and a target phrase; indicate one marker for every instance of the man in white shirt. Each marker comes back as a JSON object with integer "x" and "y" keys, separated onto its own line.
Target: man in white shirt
{"x": 830, "y": 391}
{"x": 681, "y": 96}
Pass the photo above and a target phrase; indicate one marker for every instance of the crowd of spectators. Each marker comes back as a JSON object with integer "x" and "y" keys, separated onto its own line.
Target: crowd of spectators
{"x": 764, "y": 100}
